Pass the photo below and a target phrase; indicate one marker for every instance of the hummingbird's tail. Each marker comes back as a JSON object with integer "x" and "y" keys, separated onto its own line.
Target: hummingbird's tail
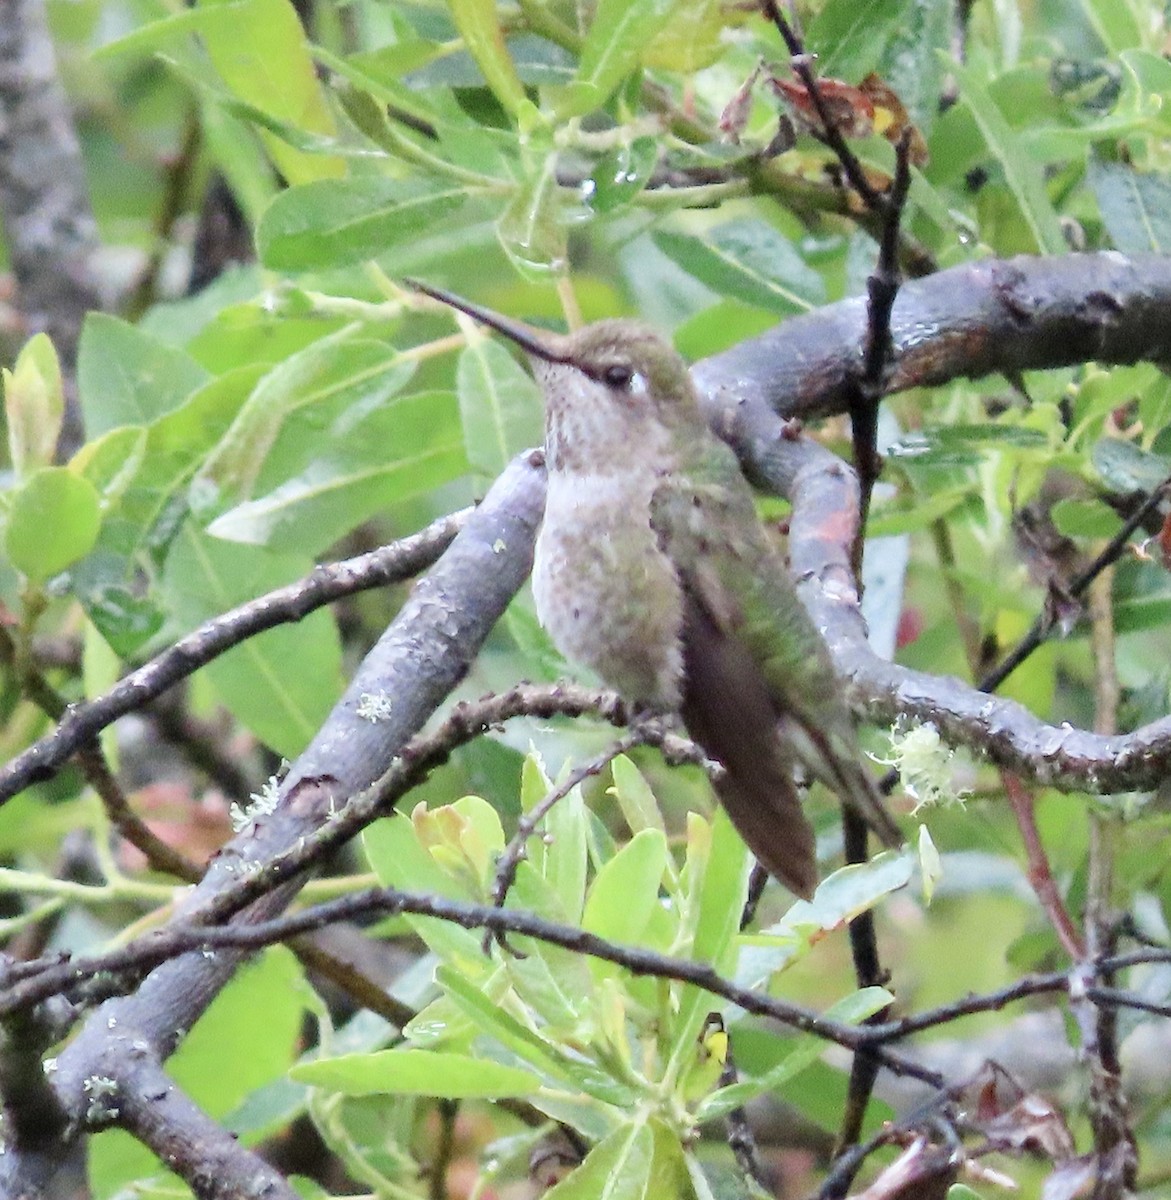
{"x": 727, "y": 710}
{"x": 839, "y": 769}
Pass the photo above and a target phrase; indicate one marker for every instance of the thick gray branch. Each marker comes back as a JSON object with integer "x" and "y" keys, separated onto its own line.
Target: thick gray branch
{"x": 423, "y": 654}
{"x": 998, "y": 315}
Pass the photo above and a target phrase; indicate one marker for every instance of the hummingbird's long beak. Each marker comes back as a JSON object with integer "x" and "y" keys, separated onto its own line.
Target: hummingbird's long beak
{"x": 528, "y": 339}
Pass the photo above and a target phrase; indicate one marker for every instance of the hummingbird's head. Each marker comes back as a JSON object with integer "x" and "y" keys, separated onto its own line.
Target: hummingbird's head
{"x": 612, "y": 385}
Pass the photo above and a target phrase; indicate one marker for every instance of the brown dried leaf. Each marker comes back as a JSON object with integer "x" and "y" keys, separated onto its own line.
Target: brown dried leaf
{"x": 921, "y": 1172}
{"x": 849, "y": 109}
{"x": 891, "y": 118}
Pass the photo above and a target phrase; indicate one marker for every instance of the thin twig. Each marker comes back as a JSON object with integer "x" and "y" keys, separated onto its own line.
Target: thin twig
{"x": 883, "y": 286}
{"x": 92, "y": 760}
{"x": 146, "y": 952}
{"x": 1114, "y": 1140}
{"x": 511, "y": 856}
{"x": 643, "y": 732}
{"x": 1040, "y": 876}
{"x": 1109, "y": 554}
{"x": 741, "y": 1140}
{"x": 447, "y": 1110}
{"x": 82, "y": 722}
{"x": 830, "y": 133}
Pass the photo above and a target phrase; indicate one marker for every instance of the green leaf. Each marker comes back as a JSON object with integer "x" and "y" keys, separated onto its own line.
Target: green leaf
{"x": 617, "y": 38}
{"x": 554, "y": 982}
{"x": 275, "y": 131}
{"x": 1142, "y": 613}
{"x": 724, "y": 889}
{"x": 1118, "y": 23}
{"x": 296, "y": 413}
{"x": 248, "y": 1037}
{"x": 281, "y": 684}
{"x": 626, "y": 890}
{"x": 1022, "y": 172}
{"x": 335, "y": 222}
{"x": 260, "y": 51}
{"x": 499, "y": 405}
{"x": 913, "y": 512}
{"x": 401, "y": 451}
{"x": 962, "y": 445}
{"x": 146, "y": 499}
{"x": 154, "y": 35}
{"x": 749, "y": 261}
{"x": 1135, "y": 206}
{"x": 849, "y": 36}
{"x": 695, "y": 36}
{"x": 532, "y": 227}
{"x": 840, "y": 897}
{"x": 491, "y": 1018}
{"x": 53, "y": 520}
{"x": 377, "y": 76}
{"x": 617, "y": 1168}
{"x": 639, "y": 806}
{"x": 400, "y": 861}
{"x": 621, "y": 175}
{"x": 417, "y": 1073}
{"x": 715, "y": 903}
{"x": 127, "y": 377}
{"x": 1085, "y": 518}
{"x": 1125, "y": 467}
{"x": 479, "y": 25}
{"x": 34, "y": 404}
{"x": 912, "y": 62}
{"x": 563, "y": 856}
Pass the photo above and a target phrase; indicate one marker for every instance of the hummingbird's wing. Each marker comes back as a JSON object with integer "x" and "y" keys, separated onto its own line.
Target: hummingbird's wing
{"x": 727, "y": 710}
{"x": 754, "y": 621}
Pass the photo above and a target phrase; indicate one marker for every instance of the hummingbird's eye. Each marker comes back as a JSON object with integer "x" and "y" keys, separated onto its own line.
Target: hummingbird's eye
{"x": 617, "y": 375}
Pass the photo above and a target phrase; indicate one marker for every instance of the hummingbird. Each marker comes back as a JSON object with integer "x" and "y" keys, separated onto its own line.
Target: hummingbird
{"x": 652, "y": 569}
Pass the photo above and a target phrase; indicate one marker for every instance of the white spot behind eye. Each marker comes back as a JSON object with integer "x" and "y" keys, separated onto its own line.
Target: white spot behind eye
{"x": 638, "y": 385}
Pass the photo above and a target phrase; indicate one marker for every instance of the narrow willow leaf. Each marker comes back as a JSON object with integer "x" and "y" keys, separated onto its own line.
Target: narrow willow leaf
{"x": 748, "y": 261}
{"x": 260, "y": 51}
{"x": 335, "y": 222}
{"x": 499, "y": 404}
{"x": 1135, "y": 206}
{"x": 417, "y": 1073}
{"x": 1022, "y": 172}
{"x": 478, "y": 22}
{"x": 34, "y": 404}
{"x": 617, "y": 38}
{"x": 618, "y": 1168}
{"x": 635, "y": 797}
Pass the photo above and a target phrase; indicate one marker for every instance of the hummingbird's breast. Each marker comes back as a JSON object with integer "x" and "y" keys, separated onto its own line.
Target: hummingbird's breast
{"x": 606, "y": 593}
